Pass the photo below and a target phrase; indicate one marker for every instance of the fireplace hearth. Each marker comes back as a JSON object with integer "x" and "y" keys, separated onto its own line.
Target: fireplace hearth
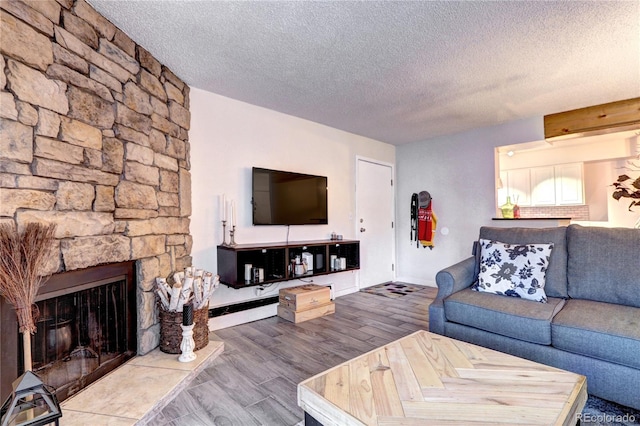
{"x": 86, "y": 327}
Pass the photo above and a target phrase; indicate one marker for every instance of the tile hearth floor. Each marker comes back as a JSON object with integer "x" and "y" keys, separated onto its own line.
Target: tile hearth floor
{"x": 135, "y": 392}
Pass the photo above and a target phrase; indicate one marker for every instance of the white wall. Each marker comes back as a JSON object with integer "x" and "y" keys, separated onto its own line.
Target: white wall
{"x": 597, "y": 180}
{"x": 228, "y": 138}
{"x": 610, "y": 213}
{"x": 459, "y": 172}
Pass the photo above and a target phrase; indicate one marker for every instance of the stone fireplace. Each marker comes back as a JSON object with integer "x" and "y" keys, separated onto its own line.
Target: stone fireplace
{"x": 86, "y": 327}
{"x": 94, "y": 139}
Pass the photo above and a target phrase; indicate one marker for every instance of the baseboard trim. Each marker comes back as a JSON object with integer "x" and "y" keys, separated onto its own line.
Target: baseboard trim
{"x": 253, "y": 310}
{"x": 416, "y": 281}
{"x": 243, "y": 317}
{"x": 242, "y": 306}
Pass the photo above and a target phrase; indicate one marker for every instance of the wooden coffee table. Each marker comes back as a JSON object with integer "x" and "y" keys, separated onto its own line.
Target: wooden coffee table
{"x": 425, "y": 378}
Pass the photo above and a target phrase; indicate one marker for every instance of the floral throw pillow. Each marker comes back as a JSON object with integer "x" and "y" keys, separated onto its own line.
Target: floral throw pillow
{"x": 516, "y": 270}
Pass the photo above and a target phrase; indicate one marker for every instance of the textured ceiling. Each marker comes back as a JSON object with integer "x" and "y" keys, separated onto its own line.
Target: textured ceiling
{"x": 395, "y": 71}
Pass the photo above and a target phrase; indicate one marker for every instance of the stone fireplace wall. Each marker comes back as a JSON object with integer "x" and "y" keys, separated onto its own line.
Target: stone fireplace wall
{"x": 94, "y": 139}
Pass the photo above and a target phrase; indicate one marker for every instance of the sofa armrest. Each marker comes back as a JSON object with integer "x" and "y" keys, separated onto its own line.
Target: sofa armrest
{"x": 449, "y": 280}
{"x": 456, "y": 277}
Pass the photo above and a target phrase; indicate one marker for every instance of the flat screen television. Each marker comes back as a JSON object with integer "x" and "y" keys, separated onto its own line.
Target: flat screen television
{"x": 288, "y": 198}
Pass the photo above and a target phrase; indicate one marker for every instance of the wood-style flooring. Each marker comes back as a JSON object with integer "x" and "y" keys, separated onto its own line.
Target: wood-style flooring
{"x": 254, "y": 382}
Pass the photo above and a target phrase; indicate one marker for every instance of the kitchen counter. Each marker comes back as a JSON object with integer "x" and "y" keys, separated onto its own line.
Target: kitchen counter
{"x": 531, "y": 222}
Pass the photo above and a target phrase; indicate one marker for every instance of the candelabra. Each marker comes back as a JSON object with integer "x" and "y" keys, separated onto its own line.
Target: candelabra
{"x": 232, "y": 232}
{"x": 224, "y": 233}
{"x": 188, "y": 344}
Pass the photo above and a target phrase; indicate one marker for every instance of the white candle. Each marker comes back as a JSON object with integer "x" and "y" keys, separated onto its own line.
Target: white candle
{"x": 223, "y": 208}
{"x": 233, "y": 213}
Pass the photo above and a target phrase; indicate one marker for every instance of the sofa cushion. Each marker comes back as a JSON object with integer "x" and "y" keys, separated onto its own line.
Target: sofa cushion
{"x": 518, "y": 318}
{"x": 604, "y": 264}
{"x": 516, "y": 270}
{"x": 556, "y": 277}
{"x": 599, "y": 330}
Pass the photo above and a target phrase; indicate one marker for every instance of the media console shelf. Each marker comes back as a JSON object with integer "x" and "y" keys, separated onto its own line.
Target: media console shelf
{"x": 275, "y": 259}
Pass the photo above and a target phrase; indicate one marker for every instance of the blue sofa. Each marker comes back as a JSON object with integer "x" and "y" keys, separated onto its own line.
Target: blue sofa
{"x": 590, "y": 324}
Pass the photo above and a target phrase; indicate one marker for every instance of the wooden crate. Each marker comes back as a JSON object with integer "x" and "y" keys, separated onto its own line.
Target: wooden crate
{"x": 307, "y": 314}
{"x": 304, "y": 297}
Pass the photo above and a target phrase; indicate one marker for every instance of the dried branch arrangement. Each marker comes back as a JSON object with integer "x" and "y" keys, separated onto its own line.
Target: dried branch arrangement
{"x": 193, "y": 284}
{"x": 23, "y": 258}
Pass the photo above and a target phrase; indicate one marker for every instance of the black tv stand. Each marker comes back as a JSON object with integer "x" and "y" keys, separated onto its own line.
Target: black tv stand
{"x": 275, "y": 259}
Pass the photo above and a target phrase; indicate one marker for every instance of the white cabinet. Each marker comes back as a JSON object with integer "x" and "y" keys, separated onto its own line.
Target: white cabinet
{"x": 543, "y": 187}
{"x": 557, "y": 185}
{"x": 516, "y": 185}
{"x": 569, "y": 184}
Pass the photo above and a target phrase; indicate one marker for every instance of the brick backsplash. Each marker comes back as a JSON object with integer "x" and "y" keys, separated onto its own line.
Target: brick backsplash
{"x": 580, "y": 212}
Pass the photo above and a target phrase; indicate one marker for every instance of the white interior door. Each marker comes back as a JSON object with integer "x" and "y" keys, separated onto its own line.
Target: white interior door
{"x": 374, "y": 222}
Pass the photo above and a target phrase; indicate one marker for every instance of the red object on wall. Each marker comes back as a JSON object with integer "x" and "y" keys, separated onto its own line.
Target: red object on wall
{"x": 427, "y": 221}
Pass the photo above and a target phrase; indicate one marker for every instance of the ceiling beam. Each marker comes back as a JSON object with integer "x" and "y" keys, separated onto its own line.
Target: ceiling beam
{"x": 606, "y": 118}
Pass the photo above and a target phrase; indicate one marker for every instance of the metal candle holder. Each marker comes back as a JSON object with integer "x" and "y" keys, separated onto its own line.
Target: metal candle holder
{"x": 224, "y": 233}
{"x": 231, "y": 235}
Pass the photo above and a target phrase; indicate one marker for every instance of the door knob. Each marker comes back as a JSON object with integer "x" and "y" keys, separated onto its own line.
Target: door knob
{"x": 362, "y": 229}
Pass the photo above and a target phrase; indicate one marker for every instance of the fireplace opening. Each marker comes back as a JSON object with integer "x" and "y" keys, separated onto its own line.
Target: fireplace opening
{"x": 85, "y": 328}
{"x": 78, "y": 333}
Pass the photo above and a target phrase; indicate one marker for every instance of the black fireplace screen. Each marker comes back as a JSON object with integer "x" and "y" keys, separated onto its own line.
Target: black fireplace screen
{"x": 86, "y": 328}
{"x": 79, "y": 334}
